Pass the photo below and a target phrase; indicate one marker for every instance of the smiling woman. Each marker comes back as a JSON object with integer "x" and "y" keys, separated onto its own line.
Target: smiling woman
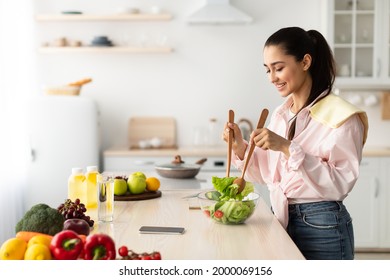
{"x": 15, "y": 83}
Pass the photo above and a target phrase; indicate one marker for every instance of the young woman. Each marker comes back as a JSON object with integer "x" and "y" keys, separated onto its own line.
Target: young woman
{"x": 309, "y": 154}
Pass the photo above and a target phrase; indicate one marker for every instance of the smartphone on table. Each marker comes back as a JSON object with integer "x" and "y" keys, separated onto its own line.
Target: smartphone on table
{"x": 162, "y": 230}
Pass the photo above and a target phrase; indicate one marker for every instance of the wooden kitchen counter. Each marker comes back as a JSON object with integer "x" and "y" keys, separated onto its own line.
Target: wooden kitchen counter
{"x": 261, "y": 237}
{"x": 376, "y": 152}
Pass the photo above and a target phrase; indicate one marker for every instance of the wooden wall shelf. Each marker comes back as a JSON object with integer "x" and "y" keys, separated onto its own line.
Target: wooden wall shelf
{"x": 149, "y": 50}
{"x": 113, "y": 17}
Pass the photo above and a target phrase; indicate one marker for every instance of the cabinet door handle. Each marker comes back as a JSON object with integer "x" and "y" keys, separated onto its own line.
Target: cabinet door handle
{"x": 32, "y": 155}
{"x": 378, "y": 72}
{"x": 376, "y": 187}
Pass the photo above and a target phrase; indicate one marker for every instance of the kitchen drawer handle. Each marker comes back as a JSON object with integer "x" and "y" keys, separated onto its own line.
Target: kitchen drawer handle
{"x": 144, "y": 162}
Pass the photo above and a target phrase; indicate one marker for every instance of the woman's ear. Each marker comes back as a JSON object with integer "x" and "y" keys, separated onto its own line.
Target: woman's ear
{"x": 306, "y": 62}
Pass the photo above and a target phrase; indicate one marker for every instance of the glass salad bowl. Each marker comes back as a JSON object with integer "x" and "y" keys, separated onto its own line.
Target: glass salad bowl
{"x": 229, "y": 212}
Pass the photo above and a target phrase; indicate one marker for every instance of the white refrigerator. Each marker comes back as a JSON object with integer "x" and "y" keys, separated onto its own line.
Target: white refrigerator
{"x": 63, "y": 133}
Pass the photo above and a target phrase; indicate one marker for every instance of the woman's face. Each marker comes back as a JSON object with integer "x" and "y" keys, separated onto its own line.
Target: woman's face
{"x": 287, "y": 74}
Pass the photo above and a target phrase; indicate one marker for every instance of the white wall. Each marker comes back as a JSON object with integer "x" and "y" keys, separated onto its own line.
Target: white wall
{"x": 212, "y": 68}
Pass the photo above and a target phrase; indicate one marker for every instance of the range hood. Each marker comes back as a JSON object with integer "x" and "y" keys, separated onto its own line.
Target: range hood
{"x": 219, "y": 12}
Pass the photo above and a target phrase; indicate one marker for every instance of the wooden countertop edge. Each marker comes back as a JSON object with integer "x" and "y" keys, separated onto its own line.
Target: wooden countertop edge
{"x": 209, "y": 152}
{"x": 376, "y": 152}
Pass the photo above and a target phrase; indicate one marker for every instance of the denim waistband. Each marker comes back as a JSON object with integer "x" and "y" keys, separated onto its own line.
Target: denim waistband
{"x": 313, "y": 207}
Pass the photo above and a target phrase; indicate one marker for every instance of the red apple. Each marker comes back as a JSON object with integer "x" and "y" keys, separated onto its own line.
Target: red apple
{"x": 78, "y": 225}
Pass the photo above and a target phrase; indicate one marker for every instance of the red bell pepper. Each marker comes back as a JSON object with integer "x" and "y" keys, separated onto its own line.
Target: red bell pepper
{"x": 66, "y": 245}
{"x": 99, "y": 246}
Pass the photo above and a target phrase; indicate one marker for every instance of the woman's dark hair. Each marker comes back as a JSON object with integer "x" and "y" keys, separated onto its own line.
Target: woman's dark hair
{"x": 297, "y": 42}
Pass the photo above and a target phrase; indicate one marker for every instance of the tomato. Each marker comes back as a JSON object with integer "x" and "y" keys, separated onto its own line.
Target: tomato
{"x": 123, "y": 251}
{"x": 127, "y": 254}
{"x": 156, "y": 256}
{"x": 207, "y": 212}
{"x": 218, "y": 214}
{"x": 146, "y": 257}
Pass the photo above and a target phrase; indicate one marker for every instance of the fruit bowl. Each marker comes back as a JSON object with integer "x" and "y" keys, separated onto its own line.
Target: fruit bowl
{"x": 230, "y": 212}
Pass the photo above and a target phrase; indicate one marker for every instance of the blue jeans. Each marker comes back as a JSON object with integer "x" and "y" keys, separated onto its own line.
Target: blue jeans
{"x": 322, "y": 230}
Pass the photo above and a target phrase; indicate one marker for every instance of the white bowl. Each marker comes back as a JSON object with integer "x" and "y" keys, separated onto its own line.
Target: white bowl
{"x": 155, "y": 142}
{"x": 155, "y": 9}
{"x": 143, "y": 144}
{"x": 126, "y": 10}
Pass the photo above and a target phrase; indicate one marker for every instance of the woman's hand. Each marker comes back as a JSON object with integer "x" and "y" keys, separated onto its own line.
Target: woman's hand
{"x": 239, "y": 146}
{"x": 267, "y": 139}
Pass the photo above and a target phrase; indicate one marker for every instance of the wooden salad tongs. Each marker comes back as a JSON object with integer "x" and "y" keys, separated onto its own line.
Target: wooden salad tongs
{"x": 230, "y": 143}
{"x": 240, "y": 181}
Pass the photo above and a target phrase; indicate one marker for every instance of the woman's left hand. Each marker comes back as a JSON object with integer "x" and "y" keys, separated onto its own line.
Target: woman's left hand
{"x": 267, "y": 139}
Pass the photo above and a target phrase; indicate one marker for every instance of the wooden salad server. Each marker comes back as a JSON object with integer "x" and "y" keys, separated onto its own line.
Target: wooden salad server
{"x": 240, "y": 181}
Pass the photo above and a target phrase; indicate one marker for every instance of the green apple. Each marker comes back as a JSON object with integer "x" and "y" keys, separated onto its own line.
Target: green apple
{"x": 120, "y": 186}
{"x": 138, "y": 174}
{"x": 136, "y": 184}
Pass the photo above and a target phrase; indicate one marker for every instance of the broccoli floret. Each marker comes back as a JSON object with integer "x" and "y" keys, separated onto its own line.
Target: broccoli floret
{"x": 41, "y": 218}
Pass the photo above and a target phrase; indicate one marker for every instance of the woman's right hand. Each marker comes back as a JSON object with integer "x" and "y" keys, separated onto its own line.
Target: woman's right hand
{"x": 239, "y": 145}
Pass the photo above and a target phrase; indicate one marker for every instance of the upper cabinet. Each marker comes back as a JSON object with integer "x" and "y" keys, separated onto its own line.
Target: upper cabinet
{"x": 359, "y": 33}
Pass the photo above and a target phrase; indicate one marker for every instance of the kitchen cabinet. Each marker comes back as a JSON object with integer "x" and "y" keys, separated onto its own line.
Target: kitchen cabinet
{"x": 359, "y": 35}
{"x": 122, "y": 160}
{"x": 385, "y": 210}
{"x": 146, "y": 163}
{"x": 363, "y": 204}
{"x": 369, "y": 207}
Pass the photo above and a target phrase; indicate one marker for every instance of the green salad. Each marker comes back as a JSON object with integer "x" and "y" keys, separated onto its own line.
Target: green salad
{"x": 230, "y": 207}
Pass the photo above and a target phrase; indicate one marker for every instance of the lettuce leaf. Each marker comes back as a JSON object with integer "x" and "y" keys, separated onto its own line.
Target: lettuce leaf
{"x": 228, "y": 190}
{"x": 236, "y": 212}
